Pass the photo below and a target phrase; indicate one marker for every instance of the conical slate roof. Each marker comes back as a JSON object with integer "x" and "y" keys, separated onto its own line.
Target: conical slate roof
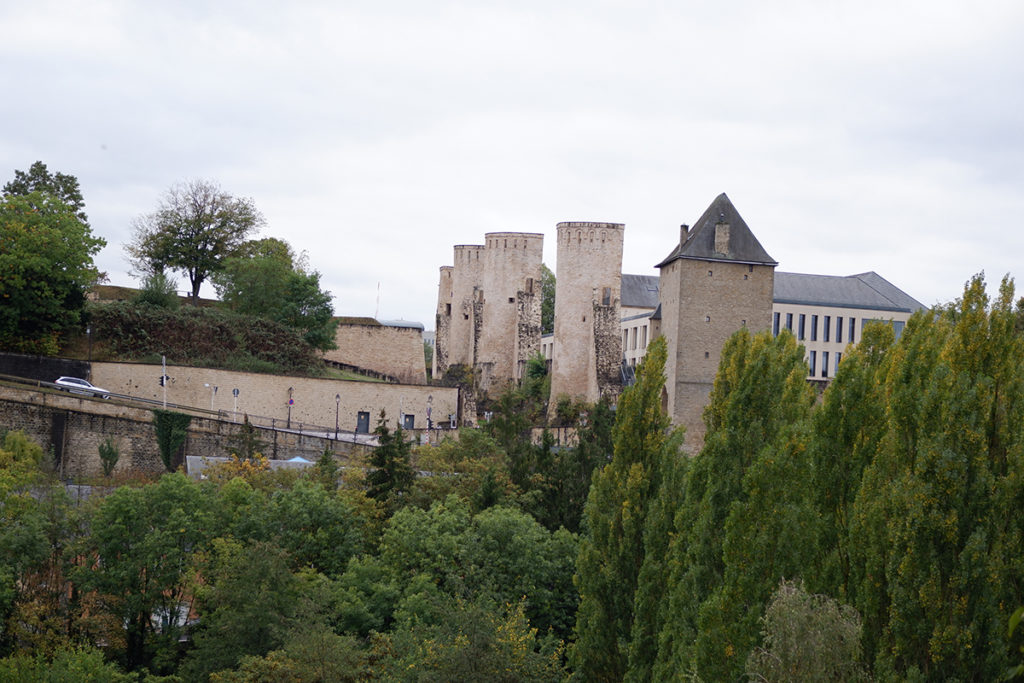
{"x": 701, "y": 243}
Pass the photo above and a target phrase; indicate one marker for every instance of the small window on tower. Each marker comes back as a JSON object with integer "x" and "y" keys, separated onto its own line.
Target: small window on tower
{"x": 511, "y": 299}
{"x": 710, "y": 273}
{"x": 707, "y": 318}
{"x": 707, "y": 354}
{"x": 447, "y": 309}
{"x": 606, "y": 296}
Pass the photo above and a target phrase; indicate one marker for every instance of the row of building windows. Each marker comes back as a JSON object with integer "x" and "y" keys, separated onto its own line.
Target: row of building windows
{"x": 803, "y": 333}
{"x": 630, "y": 337}
{"x": 812, "y": 361}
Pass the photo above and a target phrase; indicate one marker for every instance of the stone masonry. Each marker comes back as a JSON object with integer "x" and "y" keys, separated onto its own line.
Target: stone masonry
{"x": 588, "y": 278}
{"x": 488, "y": 313}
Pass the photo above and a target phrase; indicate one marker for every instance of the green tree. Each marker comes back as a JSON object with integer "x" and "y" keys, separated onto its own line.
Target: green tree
{"x": 465, "y": 641}
{"x": 807, "y": 638}
{"x": 265, "y": 278}
{"x": 66, "y": 666}
{"x": 757, "y": 423}
{"x": 195, "y": 227}
{"x": 160, "y": 291}
{"x": 46, "y": 266}
{"x": 22, "y": 526}
{"x": 612, "y": 546}
{"x": 60, "y": 186}
{"x": 498, "y": 556}
{"x": 141, "y": 542}
{"x": 317, "y": 527}
{"x": 848, "y": 431}
{"x": 109, "y": 455}
{"x": 315, "y": 655}
{"x": 547, "y": 300}
{"x": 171, "y": 431}
{"x": 391, "y": 474}
{"x": 937, "y": 530}
{"x": 249, "y": 602}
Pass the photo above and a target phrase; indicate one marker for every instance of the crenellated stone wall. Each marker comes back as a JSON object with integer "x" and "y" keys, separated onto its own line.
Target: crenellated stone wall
{"x": 588, "y": 278}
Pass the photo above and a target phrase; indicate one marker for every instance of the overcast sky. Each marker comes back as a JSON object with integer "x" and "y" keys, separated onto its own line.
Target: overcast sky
{"x": 851, "y": 136}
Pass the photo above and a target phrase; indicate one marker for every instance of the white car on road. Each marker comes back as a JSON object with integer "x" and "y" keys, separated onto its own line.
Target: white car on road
{"x": 80, "y": 386}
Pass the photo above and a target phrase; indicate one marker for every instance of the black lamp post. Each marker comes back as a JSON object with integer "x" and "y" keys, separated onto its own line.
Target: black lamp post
{"x": 290, "y": 402}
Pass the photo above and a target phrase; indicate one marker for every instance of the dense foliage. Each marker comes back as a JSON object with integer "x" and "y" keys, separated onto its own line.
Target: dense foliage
{"x": 265, "y": 278}
{"x": 201, "y": 336}
{"x": 46, "y": 266}
{"x": 870, "y": 533}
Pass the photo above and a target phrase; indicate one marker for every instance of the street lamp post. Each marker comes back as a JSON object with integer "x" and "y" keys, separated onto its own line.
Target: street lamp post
{"x": 430, "y": 423}
{"x": 290, "y": 402}
{"x": 213, "y": 392}
{"x": 337, "y": 409}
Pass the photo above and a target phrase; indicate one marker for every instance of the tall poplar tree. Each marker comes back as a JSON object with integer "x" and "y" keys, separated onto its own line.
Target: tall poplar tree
{"x": 741, "y": 483}
{"x": 937, "y": 524}
{"x": 848, "y": 431}
{"x": 612, "y": 545}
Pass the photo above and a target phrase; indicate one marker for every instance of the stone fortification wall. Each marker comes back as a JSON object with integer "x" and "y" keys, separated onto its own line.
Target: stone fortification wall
{"x": 589, "y": 275}
{"x": 313, "y": 400}
{"x": 607, "y": 352}
{"x": 71, "y": 430}
{"x": 442, "y": 323}
{"x": 510, "y": 293}
{"x": 387, "y": 349}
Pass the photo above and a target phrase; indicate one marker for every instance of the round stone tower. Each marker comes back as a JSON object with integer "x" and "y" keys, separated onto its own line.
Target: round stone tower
{"x": 588, "y": 347}
{"x": 466, "y": 288}
{"x": 442, "y": 323}
{"x": 511, "y": 313}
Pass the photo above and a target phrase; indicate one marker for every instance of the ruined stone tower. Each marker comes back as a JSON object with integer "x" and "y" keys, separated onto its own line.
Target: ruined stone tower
{"x": 488, "y": 308}
{"x": 511, "y": 312}
{"x": 716, "y": 280}
{"x": 588, "y": 351}
{"x": 443, "y": 323}
{"x": 457, "y": 310}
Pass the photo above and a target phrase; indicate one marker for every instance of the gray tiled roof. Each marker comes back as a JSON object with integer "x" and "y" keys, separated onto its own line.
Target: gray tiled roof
{"x": 639, "y": 291}
{"x": 864, "y": 290}
{"x": 700, "y": 241}
{"x": 402, "y": 323}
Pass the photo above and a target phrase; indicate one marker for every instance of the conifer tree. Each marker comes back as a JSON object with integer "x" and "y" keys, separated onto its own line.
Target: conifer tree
{"x": 848, "y": 430}
{"x": 937, "y": 523}
{"x": 392, "y": 473}
{"x": 744, "y": 521}
{"x": 612, "y": 546}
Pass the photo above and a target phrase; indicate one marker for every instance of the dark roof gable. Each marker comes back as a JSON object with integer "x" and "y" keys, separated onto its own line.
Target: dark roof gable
{"x": 720, "y": 234}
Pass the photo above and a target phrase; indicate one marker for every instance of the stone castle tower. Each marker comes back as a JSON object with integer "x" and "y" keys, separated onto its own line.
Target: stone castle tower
{"x": 588, "y": 352}
{"x": 488, "y": 310}
{"x": 717, "y": 279}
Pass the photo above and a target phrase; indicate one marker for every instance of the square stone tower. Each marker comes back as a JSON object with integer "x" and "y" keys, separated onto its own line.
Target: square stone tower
{"x": 716, "y": 280}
